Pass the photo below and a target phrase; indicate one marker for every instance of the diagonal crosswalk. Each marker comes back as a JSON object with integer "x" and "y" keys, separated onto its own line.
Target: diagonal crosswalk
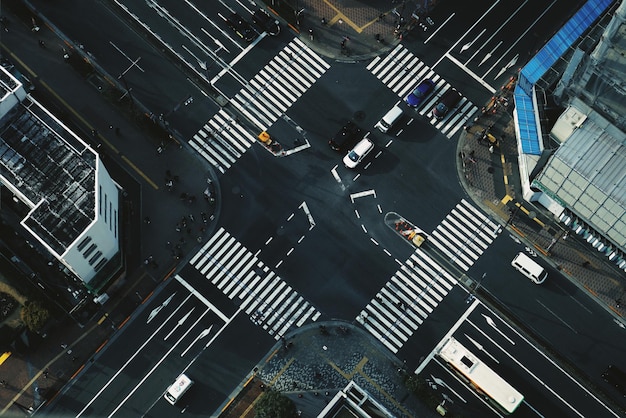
{"x": 464, "y": 234}
{"x": 407, "y": 299}
{"x": 279, "y": 84}
{"x": 264, "y": 99}
{"x": 401, "y": 71}
{"x": 260, "y": 293}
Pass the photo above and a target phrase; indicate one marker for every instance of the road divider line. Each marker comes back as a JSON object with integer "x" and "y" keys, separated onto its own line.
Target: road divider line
{"x": 362, "y": 194}
{"x": 201, "y": 298}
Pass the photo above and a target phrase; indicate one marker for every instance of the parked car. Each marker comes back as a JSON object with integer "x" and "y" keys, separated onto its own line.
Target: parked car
{"x": 421, "y": 92}
{"x": 265, "y": 22}
{"x": 356, "y": 154}
{"x": 345, "y": 137}
{"x": 446, "y": 102}
{"x": 241, "y": 27}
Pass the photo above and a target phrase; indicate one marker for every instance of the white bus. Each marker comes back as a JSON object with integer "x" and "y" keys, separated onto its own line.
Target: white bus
{"x": 480, "y": 376}
{"x": 178, "y": 389}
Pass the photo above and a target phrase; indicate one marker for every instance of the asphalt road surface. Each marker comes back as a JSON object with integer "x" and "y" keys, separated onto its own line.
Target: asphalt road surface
{"x": 301, "y": 237}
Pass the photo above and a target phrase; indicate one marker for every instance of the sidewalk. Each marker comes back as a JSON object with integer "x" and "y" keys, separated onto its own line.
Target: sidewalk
{"x": 355, "y": 31}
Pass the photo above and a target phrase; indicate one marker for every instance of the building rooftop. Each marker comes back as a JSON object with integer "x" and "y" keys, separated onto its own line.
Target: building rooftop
{"x": 50, "y": 170}
{"x": 587, "y": 174}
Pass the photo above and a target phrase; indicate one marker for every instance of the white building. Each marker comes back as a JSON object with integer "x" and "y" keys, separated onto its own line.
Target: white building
{"x": 72, "y": 200}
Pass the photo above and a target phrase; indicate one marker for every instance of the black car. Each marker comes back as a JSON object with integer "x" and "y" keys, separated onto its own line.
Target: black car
{"x": 241, "y": 27}
{"x": 346, "y": 137}
{"x": 265, "y": 22}
{"x": 448, "y": 101}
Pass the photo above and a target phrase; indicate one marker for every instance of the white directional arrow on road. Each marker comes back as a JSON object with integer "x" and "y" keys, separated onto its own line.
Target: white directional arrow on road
{"x": 180, "y": 322}
{"x": 506, "y": 67}
{"x": 480, "y": 347}
{"x": 440, "y": 382}
{"x": 199, "y": 337}
{"x": 469, "y": 45}
{"x": 490, "y": 53}
{"x": 156, "y": 310}
{"x": 494, "y": 326}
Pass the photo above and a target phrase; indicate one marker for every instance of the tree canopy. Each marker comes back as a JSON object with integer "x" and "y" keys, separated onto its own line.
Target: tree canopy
{"x": 274, "y": 404}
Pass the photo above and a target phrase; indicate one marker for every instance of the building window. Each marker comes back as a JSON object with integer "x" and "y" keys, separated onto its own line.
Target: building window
{"x": 105, "y": 208}
{"x": 95, "y": 258}
{"x": 100, "y": 264}
{"x": 83, "y": 243}
{"x": 89, "y": 250}
{"x": 115, "y": 223}
{"x": 100, "y": 200}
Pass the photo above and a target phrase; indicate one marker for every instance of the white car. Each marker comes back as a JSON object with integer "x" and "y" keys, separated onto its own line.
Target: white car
{"x": 356, "y": 154}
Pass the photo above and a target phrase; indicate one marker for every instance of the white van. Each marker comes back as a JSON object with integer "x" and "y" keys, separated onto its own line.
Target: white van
{"x": 178, "y": 389}
{"x": 389, "y": 119}
{"x": 529, "y": 268}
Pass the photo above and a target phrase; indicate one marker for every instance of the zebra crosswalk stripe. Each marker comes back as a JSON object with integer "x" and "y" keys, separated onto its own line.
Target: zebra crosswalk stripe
{"x": 464, "y": 234}
{"x": 406, "y": 300}
{"x": 222, "y": 140}
{"x": 279, "y": 84}
{"x": 260, "y": 292}
{"x": 267, "y": 96}
{"x": 400, "y": 70}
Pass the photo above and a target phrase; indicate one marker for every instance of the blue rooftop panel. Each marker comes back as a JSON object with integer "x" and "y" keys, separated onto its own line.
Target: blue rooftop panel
{"x": 563, "y": 39}
{"x": 529, "y": 137}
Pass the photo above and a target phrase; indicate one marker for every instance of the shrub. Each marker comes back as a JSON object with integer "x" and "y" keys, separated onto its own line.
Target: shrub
{"x": 34, "y": 315}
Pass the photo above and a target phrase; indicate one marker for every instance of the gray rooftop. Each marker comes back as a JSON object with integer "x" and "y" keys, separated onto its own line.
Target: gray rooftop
{"x": 52, "y": 169}
{"x": 588, "y": 175}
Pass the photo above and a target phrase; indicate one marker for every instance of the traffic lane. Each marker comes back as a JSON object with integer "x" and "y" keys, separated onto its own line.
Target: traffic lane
{"x": 434, "y": 328}
{"x": 530, "y": 371}
{"x": 147, "y": 392}
{"x": 206, "y": 25}
{"x": 504, "y": 25}
{"x": 452, "y": 20}
{"x": 193, "y": 46}
{"x": 557, "y": 311}
{"x": 220, "y": 369}
{"x": 173, "y": 348}
{"x": 144, "y": 333}
{"x": 160, "y": 81}
{"x": 445, "y": 384}
{"x": 529, "y": 36}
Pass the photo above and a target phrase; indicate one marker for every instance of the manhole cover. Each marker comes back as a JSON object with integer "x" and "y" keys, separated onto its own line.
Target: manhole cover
{"x": 360, "y": 115}
{"x": 490, "y": 170}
